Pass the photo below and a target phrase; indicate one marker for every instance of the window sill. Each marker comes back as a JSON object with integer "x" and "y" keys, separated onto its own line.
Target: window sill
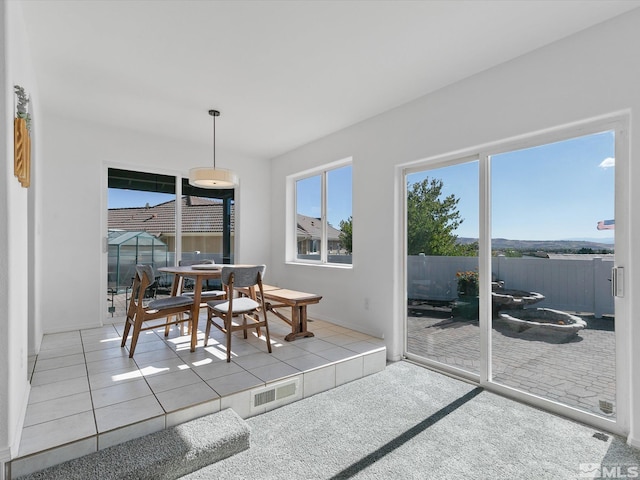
{"x": 339, "y": 266}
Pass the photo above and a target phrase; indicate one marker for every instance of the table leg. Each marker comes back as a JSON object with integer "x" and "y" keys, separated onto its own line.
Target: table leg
{"x": 303, "y": 319}
{"x": 197, "y": 295}
{"x": 298, "y": 323}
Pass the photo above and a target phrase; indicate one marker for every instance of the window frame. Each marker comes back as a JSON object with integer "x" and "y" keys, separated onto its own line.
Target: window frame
{"x": 292, "y": 221}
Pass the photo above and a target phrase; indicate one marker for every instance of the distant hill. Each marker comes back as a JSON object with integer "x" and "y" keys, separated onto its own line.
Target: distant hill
{"x": 540, "y": 245}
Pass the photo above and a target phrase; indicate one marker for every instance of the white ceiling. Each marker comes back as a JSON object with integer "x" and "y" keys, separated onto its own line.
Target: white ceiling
{"x": 283, "y": 73}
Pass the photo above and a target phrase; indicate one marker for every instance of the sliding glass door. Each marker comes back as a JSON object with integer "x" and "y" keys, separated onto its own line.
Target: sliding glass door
{"x": 511, "y": 259}
{"x": 161, "y": 220}
{"x": 552, "y": 245}
{"x": 442, "y": 266}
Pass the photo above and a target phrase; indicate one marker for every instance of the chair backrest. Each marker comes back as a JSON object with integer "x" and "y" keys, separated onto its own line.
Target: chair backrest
{"x": 243, "y": 276}
{"x": 142, "y": 270}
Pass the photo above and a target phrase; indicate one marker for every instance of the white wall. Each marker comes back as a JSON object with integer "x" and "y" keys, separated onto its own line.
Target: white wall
{"x": 16, "y": 204}
{"x": 587, "y": 75}
{"x": 74, "y": 211}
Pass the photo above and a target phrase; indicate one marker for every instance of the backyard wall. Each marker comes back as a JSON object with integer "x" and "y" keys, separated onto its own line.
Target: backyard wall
{"x": 584, "y": 76}
{"x": 567, "y": 284}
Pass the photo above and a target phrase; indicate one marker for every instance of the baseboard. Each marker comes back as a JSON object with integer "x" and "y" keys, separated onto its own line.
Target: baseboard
{"x": 634, "y": 442}
{"x": 23, "y": 413}
{"x": 72, "y": 327}
{"x": 5, "y": 457}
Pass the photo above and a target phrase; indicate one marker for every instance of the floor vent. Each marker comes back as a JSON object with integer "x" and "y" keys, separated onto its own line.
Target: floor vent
{"x": 274, "y": 394}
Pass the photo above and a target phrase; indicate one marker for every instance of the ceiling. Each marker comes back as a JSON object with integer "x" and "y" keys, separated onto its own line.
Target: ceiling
{"x": 282, "y": 73}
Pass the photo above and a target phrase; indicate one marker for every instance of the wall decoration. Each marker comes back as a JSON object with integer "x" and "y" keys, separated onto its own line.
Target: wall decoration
{"x": 22, "y": 139}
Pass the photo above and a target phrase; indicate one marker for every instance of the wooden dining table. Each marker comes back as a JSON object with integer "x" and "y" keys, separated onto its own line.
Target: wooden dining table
{"x": 198, "y": 273}
{"x": 275, "y": 297}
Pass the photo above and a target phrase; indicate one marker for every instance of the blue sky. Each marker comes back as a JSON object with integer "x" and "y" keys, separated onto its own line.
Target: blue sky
{"x": 552, "y": 192}
{"x": 134, "y": 198}
{"x": 339, "y": 203}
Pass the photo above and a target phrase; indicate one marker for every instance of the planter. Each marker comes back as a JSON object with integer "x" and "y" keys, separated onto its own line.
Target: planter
{"x": 514, "y": 298}
{"x": 466, "y": 307}
{"x": 544, "y": 322}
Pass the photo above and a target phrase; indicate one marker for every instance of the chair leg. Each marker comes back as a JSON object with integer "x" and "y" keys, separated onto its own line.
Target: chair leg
{"x": 266, "y": 330}
{"x": 125, "y": 334}
{"x": 228, "y": 324}
{"x": 131, "y": 318}
{"x": 167, "y": 326}
{"x": 134, "y": 337}
{"x": 208, "y": 329}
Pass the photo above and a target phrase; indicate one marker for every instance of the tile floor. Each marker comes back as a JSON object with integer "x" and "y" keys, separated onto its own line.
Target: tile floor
{"x": 87, "y": 394}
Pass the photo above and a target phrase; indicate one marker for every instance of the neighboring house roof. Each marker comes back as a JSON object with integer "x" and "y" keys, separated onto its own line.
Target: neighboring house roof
{"x": 199, "y": 215}
{"x": 310, "y": 227}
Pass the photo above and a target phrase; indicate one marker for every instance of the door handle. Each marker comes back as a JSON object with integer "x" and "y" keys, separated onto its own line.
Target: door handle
{"x": 617, "y": 281}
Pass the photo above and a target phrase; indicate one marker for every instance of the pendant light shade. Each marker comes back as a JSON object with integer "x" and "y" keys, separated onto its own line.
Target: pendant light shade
{"x": 212, "y": 177}
{"x": 207, "y": 177}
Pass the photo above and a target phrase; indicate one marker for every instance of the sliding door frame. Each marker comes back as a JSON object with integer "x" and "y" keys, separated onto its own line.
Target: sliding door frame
{"x": 619, "y": 123}
{"x": 179, "y": 177}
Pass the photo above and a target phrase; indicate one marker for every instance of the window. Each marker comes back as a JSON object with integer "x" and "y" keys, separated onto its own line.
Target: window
{"x": 323, "y": 220}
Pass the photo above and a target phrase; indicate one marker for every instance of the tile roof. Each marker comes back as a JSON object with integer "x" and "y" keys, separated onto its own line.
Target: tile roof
{"x": 311, "y": 227}
{"x": 198, "y": 215}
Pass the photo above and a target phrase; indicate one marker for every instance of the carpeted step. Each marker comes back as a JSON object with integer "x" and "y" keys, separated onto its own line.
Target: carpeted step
{"x": 167, "y": 454}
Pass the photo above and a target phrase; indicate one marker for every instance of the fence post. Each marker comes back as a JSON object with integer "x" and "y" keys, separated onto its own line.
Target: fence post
{"x": 601, "y": 294}
{"x": 501, "y": 258}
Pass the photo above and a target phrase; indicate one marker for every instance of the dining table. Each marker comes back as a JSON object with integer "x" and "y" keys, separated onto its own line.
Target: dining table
{"x": 275, "y": 297}
{"x": 198, "y": 273}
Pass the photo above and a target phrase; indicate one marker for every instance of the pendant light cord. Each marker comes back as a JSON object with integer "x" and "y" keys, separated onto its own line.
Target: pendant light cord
{"x": 214, "y": 114}
{"x": 214, "y": 141}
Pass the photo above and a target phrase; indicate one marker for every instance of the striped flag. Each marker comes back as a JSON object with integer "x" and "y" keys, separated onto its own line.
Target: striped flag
{"x": 606, "y": 225}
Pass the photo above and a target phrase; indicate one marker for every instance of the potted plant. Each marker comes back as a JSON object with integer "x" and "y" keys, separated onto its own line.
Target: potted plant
{"x": 467, "y": 283}
{"x": 467, "y": 305}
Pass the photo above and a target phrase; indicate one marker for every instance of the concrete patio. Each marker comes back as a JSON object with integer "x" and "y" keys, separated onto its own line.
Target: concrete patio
{"x": 579, "y": 373}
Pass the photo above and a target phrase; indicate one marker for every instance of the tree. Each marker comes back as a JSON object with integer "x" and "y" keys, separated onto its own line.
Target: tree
{"x": 346, "y": 234}
{"x": 432, "y": 221}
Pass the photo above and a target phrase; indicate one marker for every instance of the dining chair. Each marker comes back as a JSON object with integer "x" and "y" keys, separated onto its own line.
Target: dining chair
{"x": 248, "y": 309}
{"x": 209, "y": 294}
{"x": 205, "y": 294}
{"x": 140, "y": 312}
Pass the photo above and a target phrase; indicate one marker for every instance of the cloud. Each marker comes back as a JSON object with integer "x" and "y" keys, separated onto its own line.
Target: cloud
{"x": 608, "y": 163}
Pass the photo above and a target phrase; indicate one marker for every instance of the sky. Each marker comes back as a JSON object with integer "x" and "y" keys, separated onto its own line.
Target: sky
{"x": 134, "y": 198}
{"x": 339, "y": 202}
{"x": 556, "y": 191}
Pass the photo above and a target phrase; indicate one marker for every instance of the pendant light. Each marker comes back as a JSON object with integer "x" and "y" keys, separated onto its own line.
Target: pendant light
{"x": 207, "y": 177}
